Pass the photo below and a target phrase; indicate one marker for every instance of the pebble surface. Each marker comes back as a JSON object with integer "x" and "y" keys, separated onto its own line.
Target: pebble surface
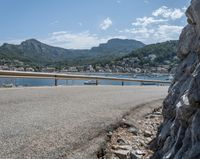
{"x": 133, "y": 142}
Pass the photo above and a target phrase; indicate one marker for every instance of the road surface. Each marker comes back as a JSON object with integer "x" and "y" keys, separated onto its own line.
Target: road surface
{"x": 50, "y": 121}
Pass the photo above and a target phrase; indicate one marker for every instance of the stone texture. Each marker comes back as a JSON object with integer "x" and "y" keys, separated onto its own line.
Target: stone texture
{"x": 147, "y": 133}
{"x": 131, "y": 142}
{"x": 179, "y": 135}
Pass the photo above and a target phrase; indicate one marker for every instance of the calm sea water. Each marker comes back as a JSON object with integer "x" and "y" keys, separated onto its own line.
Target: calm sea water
{"x": 50, "y": 82}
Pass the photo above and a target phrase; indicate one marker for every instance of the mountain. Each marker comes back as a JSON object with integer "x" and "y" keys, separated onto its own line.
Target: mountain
{"x": 118, "y": 45}
{"x": 36, "y": 53}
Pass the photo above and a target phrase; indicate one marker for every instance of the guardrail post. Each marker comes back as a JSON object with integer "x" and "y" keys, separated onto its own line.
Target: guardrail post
{"x": 97, "y": 82}
{"x": 56, "y": 81}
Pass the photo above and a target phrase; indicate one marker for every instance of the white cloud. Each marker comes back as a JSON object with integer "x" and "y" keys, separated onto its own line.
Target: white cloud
{"x": 167, "y": 32}
{"x": 158, "y": 27}
{"x": 13, "y": 41}
{"x": 83, "y": 40}
{"x": 68, "y": 40}
{"x": 107, "y": 23}
{"x": 166, "y": 12}
{"x": 184, "y": 8}
{"x": 154, "y": 34}
{"x": 147, "y": 21}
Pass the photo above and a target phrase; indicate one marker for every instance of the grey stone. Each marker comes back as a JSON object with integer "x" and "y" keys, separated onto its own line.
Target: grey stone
{"x": 121, "y": 142}
{"x": 122, "y": 147}
{"x": 133, "y": 130}
{"x": 147, "y": 133}
{"x": 133, "y": 156}
{"x": 109, "y": 134}
{"x": 122, "y": 154}
{"x": 139, "y": 152}
{"x": 179, "y": 135}
{"x": 121, "y": 151}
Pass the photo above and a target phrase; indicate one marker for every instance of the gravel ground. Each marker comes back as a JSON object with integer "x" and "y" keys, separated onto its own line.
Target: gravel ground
{"x": 56, "y": 122}
{"x": 133, "y": 141}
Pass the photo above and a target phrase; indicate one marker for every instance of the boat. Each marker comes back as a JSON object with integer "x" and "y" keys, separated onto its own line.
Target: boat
{"x": 170, "y": 77}
{"x": 91, "y": 82}
{"x": 134, "y": 76}
{"x": 148, "y": 83}
{"x": 8, "y": 85}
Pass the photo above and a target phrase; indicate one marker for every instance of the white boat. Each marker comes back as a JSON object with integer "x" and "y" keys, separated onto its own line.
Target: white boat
{"x": 91, "y": 82}
{"x": 170, "y": 78}
{"x": 9, "y": 85}
{"x": 134, "y": 76}
{"x": 148, "y": 83}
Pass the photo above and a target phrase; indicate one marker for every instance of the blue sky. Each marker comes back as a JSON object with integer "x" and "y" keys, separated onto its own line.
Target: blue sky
{"x": 86, "y": 23}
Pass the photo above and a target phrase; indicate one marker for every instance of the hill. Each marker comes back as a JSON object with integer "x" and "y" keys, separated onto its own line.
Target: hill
{"x": 160, "y": 57}
{"x": 156, "y": 54}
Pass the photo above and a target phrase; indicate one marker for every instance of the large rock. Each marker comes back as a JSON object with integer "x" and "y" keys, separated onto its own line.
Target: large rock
{"x": 179, "y": 135}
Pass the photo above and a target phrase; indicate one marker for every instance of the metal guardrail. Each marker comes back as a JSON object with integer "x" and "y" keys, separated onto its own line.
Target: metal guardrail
{"x": 59, "y": 76}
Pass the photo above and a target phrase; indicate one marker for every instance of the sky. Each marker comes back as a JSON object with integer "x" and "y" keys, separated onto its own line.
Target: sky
{"x": 82, "y": 24}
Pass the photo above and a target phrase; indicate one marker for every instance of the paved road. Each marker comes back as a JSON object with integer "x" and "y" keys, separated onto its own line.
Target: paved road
{"x": 45, "y": 122}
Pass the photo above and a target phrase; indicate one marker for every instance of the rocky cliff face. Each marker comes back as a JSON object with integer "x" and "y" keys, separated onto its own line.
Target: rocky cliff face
{"x": 179, "y": 135}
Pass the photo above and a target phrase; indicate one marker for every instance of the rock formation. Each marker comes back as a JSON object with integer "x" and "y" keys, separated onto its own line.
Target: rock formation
{"x": 179, "y": 135}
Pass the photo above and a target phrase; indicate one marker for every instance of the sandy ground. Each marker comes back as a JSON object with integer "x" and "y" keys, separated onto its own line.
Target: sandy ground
{"x": 53, "y": 122}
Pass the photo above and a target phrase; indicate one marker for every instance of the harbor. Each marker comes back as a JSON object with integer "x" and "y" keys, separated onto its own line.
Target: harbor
{"x": 29, "y": 79}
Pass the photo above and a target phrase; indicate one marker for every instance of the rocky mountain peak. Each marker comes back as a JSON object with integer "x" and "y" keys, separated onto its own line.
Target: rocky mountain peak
{"x": 31, "y": 42}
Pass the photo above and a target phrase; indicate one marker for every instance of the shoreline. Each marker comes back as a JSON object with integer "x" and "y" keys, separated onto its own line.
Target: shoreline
{"x": 76, "y": 86}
